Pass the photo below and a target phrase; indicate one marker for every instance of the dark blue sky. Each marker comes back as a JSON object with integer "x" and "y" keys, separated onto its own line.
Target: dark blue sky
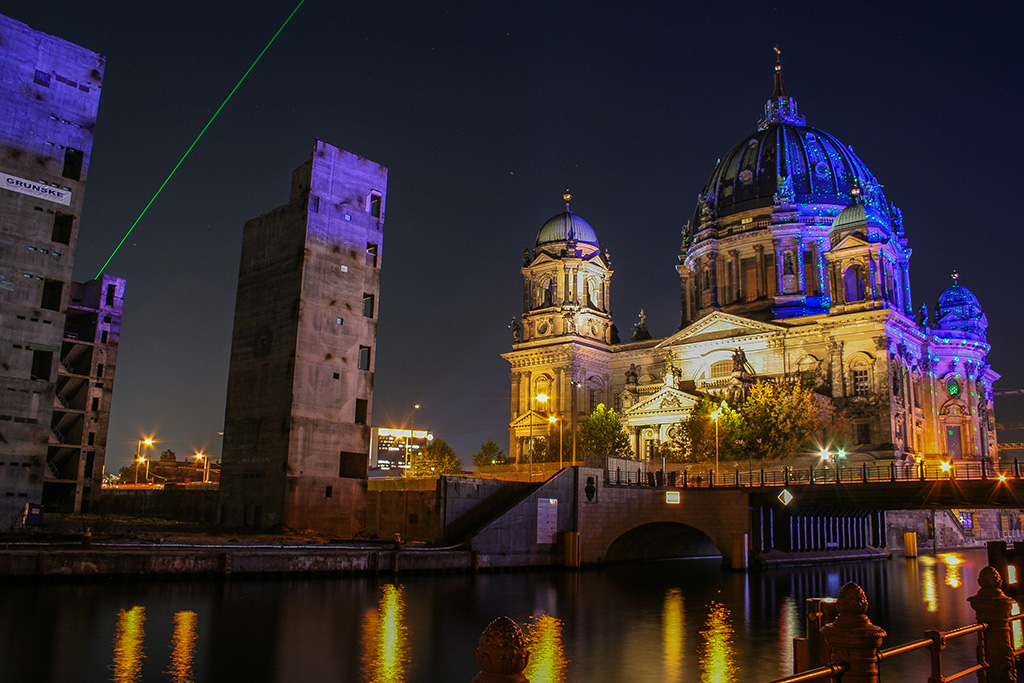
{"x": 484, "y": 113}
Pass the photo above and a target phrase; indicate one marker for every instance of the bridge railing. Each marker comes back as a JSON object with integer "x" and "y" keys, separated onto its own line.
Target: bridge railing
{"x": 817, "y": 474}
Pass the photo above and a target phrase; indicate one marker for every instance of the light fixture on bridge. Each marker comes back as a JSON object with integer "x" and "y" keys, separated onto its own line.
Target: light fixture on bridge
{"x": 672, "y": 497}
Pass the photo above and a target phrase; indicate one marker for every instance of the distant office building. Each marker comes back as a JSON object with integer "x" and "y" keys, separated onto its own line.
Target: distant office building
{"x": 49, "y": 95}
{"x": 395, "y": 448}
{"x": 296, "y": 434}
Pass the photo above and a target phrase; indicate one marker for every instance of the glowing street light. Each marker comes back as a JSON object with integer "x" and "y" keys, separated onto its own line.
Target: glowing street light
{"x": 139, "y": 459}
{"x": 541, "y": 398}
{"x": 714, "y": 416}
{"x": 206, "y": 466}
{"x": 552, "y": 419}
{"x": 412, "y": 427}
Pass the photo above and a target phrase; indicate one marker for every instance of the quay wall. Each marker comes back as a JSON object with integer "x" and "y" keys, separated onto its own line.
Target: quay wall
{"x": 168, "y": 562}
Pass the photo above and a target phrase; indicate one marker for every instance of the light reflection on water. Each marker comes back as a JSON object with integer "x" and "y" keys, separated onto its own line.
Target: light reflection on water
{"x": 129, "y": 639}
{"x": 717, "y": 655}
{"x": 675, "y": 622}
{"x": 547, "y": 656}
{"x": 384, "y": 638}
{"x": 183, "y": 647}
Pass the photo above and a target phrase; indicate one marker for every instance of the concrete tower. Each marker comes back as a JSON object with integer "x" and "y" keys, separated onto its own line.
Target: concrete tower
{"x": 296, "y": 434}
{"x": 49, "y": 95}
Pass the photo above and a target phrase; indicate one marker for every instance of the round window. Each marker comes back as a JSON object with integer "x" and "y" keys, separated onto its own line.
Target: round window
{"x": 953, "y": 386}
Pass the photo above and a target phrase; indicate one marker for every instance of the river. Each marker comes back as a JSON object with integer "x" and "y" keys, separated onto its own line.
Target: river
{"x": 679, "y": 621}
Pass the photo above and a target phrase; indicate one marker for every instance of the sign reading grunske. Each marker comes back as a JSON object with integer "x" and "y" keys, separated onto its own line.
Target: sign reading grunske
{"x": 33, "y": 189}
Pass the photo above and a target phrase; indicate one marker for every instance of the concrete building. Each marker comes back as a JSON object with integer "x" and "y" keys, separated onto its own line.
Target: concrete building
{"x": 300, "y": 386}
{"x": 49, "y": 96}
{"x": 795, "y": 267}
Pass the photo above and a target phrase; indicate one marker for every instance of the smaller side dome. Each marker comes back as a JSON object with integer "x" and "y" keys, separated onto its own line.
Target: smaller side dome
{"x": 564, "y": 227}
{"x": 858, "y": 215}
{"x": 959, "y": 311}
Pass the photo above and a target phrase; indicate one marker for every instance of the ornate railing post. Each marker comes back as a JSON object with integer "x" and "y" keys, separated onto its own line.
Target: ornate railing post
{"x": 995, "y": 644}
{"x": 502, "y": 654}
{"x": 853, "y": 638}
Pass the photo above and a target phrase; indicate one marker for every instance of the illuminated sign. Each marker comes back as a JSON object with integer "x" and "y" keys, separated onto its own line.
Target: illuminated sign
{"x": 39, "y": 190}
{"x": 672, "y": 497}
{"x": 785, "y": 497}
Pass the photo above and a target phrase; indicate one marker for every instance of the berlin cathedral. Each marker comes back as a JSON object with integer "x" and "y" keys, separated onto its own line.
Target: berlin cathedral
{"x": 795, "y": 267}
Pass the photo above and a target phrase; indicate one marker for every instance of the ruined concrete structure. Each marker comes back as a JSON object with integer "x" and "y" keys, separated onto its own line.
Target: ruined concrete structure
{"x": 56, "y": 355}
{"x": 795, "y": 267}
{"x": 296, "y": 434}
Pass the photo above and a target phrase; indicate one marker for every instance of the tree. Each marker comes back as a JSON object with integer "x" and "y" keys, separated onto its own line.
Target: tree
{"x": 437, "y": 459}
{"x": 696, "y": 439}
{"x": 785, "y": 419}
{"x": 490, "y": 454}
{"x": 601, "y": 433}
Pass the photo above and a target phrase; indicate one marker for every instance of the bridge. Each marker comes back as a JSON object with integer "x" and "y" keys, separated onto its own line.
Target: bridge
{"x": 586, "y": 515}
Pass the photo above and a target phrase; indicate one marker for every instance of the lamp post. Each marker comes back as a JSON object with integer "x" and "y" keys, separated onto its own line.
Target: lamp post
{"x": 541, "y": 398}
{"x": 139, "y": 459}
{"x": 206, "y": 467}
{"x": 552, "y": 419}
{"x": 714, "y": 416}
{"x": 412, "y": 428}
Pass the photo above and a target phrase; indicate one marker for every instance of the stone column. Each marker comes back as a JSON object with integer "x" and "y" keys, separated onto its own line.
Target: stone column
{"x": 778, "y": 266}
{"x": 514, "y": 376}
{"x": 762, "y": 284}
{"x": 854, "y": 639}
{"x": 995, "y": 644}
{"x": 908, "y": 303}
{"x": 712, "y": 264}
{"x": 502, "y": 654}
{"x": 736, "y": 294}
{"x": 801, "y": 279}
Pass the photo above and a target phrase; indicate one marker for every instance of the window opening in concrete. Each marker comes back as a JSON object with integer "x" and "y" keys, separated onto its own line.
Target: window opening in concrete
{"x": 95, "y": 404}
{"x": 61, "y": 231}
{"x": 42, "y": 361}
{"x": 341, "y": 321}
{"x": 99, "y": 369}
{"x": 73, "y": 163}
{"x": 103, "y": 337}
{"x": 863, "y": 434}
{"x": 368, "y": 305}
{"x": 314, "y": 204}
{"x": 375, "y": 204}
{"x": 861, "y": 384}
{"x": 329, "y": 492}
{"x": 52, "y": 290}
{"x": 352, "y": 465}
{"x": 362, "y": 406}
{"x": 371, "y": 254}
{"x": 92, "y": 439}
{"x": 111, "y": 290}
{"x": 364, "y": 357}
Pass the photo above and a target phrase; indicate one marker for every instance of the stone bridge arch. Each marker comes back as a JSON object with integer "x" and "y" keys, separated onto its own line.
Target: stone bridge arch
{"x": 659, "y": 541}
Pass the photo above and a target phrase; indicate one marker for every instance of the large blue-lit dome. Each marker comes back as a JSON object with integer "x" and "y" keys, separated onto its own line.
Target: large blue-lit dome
{"x": 566, "y": 226}
{"x": 959, "y": 311}
{"x": 787, "y": 160}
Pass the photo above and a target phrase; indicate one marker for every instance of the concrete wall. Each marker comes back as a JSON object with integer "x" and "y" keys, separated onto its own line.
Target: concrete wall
{"x": 176, "y": 503}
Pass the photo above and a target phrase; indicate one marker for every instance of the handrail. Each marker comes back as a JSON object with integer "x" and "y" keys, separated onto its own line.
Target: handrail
{"x": 829, "y": 671}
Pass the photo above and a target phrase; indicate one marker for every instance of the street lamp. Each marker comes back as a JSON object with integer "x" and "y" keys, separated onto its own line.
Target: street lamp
{"x": 206, "y": 467}
{"x": 412, "y": 427}
{"x": 541, "y": 398}
{"x": 139, "y": 459}
{"x": 714, "y": 416}
{"x": 552, "y": 419}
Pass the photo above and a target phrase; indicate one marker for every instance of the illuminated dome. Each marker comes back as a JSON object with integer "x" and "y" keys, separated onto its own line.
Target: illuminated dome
{"x": 785, "y": 161}
{"x": 858, "y": 215}
{"x": 566, "y": 226}
{"x": 959, "y": 311}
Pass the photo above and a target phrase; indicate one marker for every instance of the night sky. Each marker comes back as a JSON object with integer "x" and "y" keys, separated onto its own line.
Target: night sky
{"x": 484, "y": 114}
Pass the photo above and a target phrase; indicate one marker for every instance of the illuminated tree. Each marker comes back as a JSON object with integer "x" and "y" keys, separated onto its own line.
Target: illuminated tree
{"x": 696, "y": 438}
{"x": 601, "y": 433}
{"x": 490, "y": 454}
{"x": 784, "y": 420}
{"x": 436, "y": 460}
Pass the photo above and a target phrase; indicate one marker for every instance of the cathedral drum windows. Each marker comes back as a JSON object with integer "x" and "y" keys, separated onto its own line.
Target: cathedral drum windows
{"x": 853, "y": 283}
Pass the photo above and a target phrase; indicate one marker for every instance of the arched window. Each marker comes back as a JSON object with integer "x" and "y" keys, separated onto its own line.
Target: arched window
{"x": 860, "y": 378}
{"x": 720, "y": 369}
{"x": 853, "y": 283}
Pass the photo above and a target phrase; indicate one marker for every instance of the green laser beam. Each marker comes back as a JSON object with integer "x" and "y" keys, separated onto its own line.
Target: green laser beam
{"x": 183, "y": 156}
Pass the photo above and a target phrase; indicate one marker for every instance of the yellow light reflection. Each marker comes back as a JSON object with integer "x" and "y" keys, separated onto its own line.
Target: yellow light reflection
{"x": 384, "y": 638}
{"x": 929, "y": 588}
{"x": 790, "y": 627}
{"x": 547, "y": 657}
{"x": 183, "y": 647}
{"x": 1018, "y": 633}
{"x": 128, "y": 645}
{"x": 954, "y": 569}
{"x": 717, "y": 656}
{"x": 673, "y": 619}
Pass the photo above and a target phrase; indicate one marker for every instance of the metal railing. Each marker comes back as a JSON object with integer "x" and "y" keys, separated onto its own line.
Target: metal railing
{"x": 792, "y": 475}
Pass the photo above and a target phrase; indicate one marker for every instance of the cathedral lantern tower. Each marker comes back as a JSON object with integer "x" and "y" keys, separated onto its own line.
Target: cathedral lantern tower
{"x": 561, "y": 340}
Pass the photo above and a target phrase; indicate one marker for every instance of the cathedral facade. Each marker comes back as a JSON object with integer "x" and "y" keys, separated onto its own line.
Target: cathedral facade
{"x": 795, "y": 267}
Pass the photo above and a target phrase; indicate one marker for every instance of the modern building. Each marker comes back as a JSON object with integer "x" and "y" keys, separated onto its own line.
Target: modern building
{"x": 795, "y": 266}
{"x": 300, "y": 385}
{"x": 395, "y": 448}
{"x": 49, "y": 96}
